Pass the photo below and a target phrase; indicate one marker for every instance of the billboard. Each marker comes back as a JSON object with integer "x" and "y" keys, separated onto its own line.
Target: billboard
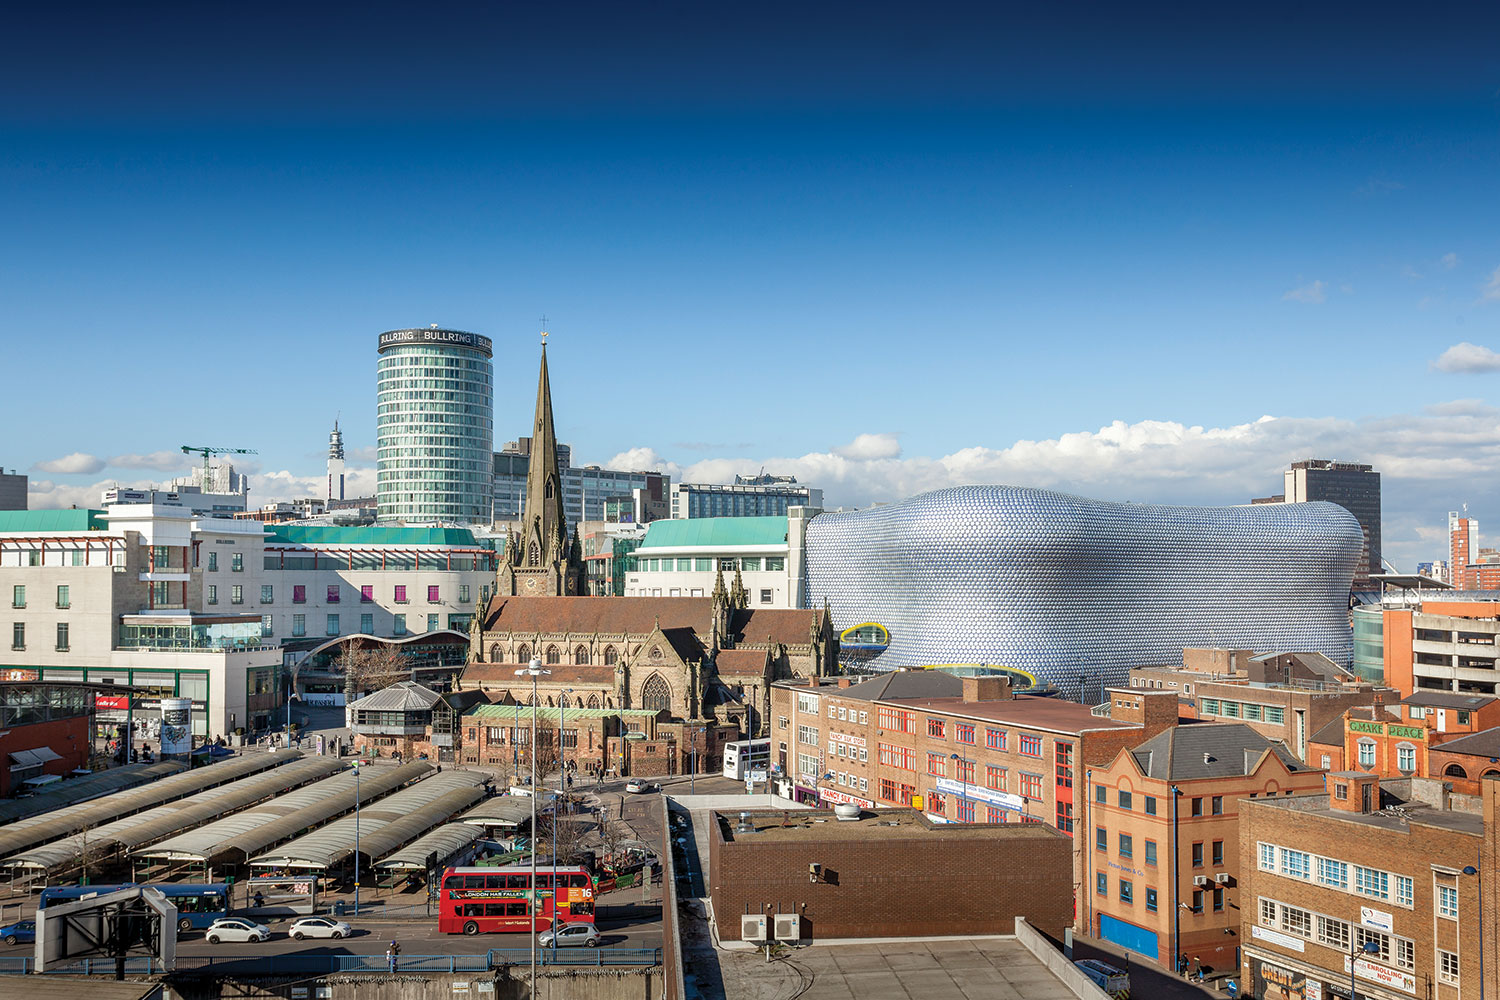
{"x": 176, "y": 731}
{"x": 1270, "y": 981}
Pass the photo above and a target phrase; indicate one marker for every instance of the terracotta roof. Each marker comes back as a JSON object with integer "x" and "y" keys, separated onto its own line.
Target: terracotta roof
{"x": 1485, "y": 743}
{"x": 741, "y": 662}
{"x": 504, "y": 674}
{"x": 791, "y": 627}
{"x": 586, "y": 615}
{"x": 1027, "y": 711}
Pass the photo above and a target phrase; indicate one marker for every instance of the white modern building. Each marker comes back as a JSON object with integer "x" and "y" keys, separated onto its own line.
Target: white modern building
{"x": 191, "y": 498}
{"x": 747, "y": 496}
{"x": 684, "y": 557}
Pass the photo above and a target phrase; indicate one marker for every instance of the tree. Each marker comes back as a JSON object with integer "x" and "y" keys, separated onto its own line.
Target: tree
{"x": 370, "y": 668}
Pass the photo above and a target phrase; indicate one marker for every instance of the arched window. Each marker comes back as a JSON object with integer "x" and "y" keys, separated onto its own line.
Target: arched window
{"x": 593, "y": 701}
{"x": 523, "y": 653}
{"x": 581, "y": 654}
{"x": 533, "y": 555}
{"x": 495, "y": 653}
{"x": 1491, "y": 773}
{"x": 655, "y": 652}
{"x": 1454, "y": 771}
{"x": 656, "y": 694}
{"x": 610, "y": 656}
{"x": 548, "y": 490}
{"x": 553, "y": 656}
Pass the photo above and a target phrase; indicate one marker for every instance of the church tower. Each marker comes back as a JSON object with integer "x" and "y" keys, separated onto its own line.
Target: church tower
{"x": 540, "y": 560}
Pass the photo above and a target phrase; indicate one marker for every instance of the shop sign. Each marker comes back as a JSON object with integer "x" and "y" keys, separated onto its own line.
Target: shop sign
{"x": 1378, "y": 919}
{"x": 1384, "y": 975}
{"x": 833, "y": 795}
{"x": 980, "y": 794}
{"x": 121, "y": 702}
{"x": 1408, "y": 732}
{"x": 1277, "y": 938}
{"x": 21, "y": 675}
{"x": 1366, "y": 727}
{"x": 1271, "y": 982}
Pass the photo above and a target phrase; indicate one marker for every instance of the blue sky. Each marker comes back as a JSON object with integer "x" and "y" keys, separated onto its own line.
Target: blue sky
{"x": 884, "y": 247}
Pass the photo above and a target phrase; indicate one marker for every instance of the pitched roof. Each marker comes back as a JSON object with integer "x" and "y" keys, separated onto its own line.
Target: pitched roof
{"x": 586, "y": 615}
{"x": 1481, "y": 744}
{"x": 714, "y": 532}
{"x": 906, "y": 684}
{"x": 547, "y": 713}
{"x": 403, "y": 696}
{"x": 1449, "y": 699}
{"x": 788, "y": 626}
{"x": 741, "y": 662}
{"x": 1212, "y": 750}
{"x": 504, "y": 674}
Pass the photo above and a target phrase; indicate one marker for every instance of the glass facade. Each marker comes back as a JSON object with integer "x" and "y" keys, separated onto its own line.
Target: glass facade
{"x": 1369, "y": 643}
{"x": 1025, "y": 577}
{"x": 434, "y": 426}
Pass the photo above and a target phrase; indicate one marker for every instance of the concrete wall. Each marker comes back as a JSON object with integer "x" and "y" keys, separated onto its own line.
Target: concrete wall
{"x": 671, "y": 949}
{"x": 511, "y": 984}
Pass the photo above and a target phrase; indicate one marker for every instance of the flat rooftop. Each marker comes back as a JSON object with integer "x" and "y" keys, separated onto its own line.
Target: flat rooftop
{"x": 1398, "y": 815}
{"x": 1051, "y": 714}
{"x": 805, "y": 826}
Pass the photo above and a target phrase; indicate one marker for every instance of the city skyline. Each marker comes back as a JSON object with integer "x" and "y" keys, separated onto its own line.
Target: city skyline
{"x": 881, "y": 255}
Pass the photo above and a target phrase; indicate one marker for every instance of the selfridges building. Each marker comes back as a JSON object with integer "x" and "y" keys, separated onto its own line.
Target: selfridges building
{"x": 1075, "y": 592}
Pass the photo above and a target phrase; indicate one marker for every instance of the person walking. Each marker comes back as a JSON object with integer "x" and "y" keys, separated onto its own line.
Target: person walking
{"x": 390, "y": 959}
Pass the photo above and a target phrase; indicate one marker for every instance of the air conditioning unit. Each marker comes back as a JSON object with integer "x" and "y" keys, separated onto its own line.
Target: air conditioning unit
{"x": 1200, "y": 880}
{"x": 752, "y": 927}
{"x": 788, "y": 927}
{"x": 1222, "y": 878}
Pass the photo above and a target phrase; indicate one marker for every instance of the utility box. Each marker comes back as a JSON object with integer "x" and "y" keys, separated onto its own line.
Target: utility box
{"x": 752, "y": 927}
{"x": 788, "y": 927}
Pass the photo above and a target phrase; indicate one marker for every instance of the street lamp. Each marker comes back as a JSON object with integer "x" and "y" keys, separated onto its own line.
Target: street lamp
{"x": 963, "y": 776}
{"x": 1368, "y": 948}
{"x": 356, "y": 837}
{"x": 533, "y": 671}
{"x": 1477, "y": 870}
{"x": 562, "y": 776}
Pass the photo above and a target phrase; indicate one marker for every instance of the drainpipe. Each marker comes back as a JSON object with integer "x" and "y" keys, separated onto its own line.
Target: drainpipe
{"x": 1172, "y": 874}
{"x": 1088, "y": 847}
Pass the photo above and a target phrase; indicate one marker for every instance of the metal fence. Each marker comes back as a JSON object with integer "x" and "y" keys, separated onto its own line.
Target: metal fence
{"x": 317, "y": 965}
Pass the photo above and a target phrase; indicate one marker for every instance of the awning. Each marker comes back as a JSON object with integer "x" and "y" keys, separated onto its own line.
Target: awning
{"x": 40, "y": 780}
{"x": 32, "y": 758}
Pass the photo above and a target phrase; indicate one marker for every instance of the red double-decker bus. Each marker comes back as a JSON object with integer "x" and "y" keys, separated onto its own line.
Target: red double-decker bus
{"x": 502, "y": 900}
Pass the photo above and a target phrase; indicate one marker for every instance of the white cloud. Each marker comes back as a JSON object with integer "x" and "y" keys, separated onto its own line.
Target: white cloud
{"x": 1467, "y": 358}
{"x": 44, "y": 494}
{"x": 1448, "y": 261}
{"x": 1313, "y": 293}
{"x": 274, "y": 487}
{"x": 868, "y": 446}
{"x": 160, "y": 461}
{"x": 1491, "y": 291}
{"x": 77, "y": 464}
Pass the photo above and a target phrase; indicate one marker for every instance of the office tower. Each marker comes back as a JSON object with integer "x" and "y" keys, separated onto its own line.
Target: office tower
{"x": 1356, "y": 488}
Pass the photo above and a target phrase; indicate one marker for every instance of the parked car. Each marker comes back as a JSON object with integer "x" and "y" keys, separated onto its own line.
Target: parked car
{"x": 319, "y": 927}
{"x": 236, "y": 929}
{"x": 20, "y": 932}
{"x": 637, "y": 785}
{"x": 571, "y": 936}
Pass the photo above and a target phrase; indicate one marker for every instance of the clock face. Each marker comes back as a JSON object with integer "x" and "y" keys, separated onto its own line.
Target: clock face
{"x": 531, "y": 584}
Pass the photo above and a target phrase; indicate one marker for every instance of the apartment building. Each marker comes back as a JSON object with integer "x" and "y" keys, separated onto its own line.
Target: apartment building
{"x": 1372, "y": 884}
{"x": 1161, "y": 858}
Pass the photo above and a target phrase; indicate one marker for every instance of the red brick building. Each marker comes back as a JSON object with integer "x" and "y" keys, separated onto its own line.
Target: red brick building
{"x": 44, "y": 731}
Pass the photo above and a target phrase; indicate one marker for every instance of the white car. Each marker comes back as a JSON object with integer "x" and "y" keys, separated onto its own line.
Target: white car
{"x": 319, "y": 927}
{"x": 236, "y": 929}
{"x": 637, "y": 785}
{"x": 570, "y": 936}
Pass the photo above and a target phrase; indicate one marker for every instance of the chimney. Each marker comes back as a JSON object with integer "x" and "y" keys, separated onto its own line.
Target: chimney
{"x": 987, "y": 687}
{"x": 845, "y": 682}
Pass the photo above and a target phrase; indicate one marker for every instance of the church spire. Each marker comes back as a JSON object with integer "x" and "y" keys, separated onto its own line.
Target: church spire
{"x": 546, "y": 518}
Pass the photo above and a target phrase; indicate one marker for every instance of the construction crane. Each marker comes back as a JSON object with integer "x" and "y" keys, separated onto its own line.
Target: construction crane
{"x": 206, "y": 452}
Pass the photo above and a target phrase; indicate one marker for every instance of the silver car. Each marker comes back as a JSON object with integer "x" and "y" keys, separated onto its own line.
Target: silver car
{"x": 570, "y": 936}
{"x": 319, "y": 927}
{"x": 236, "y": 929}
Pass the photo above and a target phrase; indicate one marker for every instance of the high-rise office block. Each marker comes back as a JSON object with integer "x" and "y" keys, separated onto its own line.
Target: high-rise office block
{"x": 435, "y": 426}
{"x": 1356, "y": 488}
{"x": 586, "y": 490}
{"x": 12, "y": 490}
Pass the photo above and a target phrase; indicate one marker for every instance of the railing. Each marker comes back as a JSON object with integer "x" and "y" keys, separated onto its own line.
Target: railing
{"x": 315, "y": 965}
{"x": 1102, "y": 711}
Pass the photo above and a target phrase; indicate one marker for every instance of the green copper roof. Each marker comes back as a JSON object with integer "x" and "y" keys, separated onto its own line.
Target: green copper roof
{"x": 18, "y": 521}
{"x": 715, "y": 532}
{"x": 332, "y": 534}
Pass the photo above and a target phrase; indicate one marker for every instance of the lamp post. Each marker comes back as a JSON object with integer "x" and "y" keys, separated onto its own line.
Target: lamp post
{"x": 963, "y": 777}
{"x": 1477, "y": 870}
{"x": 356, "y": 837}
{"x": 1368, "y": 948}
{"x": 562, "y": 777}
{"x": 533, "y": 671}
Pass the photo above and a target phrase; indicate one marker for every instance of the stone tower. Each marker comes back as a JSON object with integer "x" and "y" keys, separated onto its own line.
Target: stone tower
{"x": 541, "y": 561}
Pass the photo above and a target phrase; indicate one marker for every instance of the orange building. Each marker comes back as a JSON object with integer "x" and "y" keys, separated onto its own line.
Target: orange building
{"x": 1442, "y": 645}
{"x": 1161, "y": 844}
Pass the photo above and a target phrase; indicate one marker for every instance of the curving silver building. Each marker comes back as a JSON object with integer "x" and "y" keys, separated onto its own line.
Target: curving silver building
{"x": 1076, "y": 592}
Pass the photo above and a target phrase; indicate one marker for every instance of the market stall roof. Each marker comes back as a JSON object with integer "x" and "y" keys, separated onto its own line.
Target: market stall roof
{"x": 383, "y": 827}
{"x": 34, "y": 830}
{"x": 445, "y": 841}
{"x": 90, "y": 786}
{"x": 162, "y": 821}
{"x": 265, "y": 825}
{"x": 504, "y": 810}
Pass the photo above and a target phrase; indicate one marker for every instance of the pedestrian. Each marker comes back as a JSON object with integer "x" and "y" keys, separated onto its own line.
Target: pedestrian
{"x": 390, "y": 959}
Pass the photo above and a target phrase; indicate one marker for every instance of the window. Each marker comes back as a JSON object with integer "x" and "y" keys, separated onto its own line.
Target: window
{"x": 937, "y": 764}
{"x": 965, "y": 810}
{"x": 1340, "y": 788}
{"x": 963, "y": 732}
{"x": 1447, "y": 966}
{"x": 299, "y": 625}
{"x": 367, "y": 593}
{"x": 1268, "y": 912}
{"x": 1198, "y": 854}
{"x": 18, "y": 596}
{"x": 843, "y": 715}
{"x": 902, "y": 757}
{"x": 463, "y": 593}
{"x": 1031, "y": 786}
{"x": 213, "y": 594}
{"x": 1218, "y": 853}
{"x": 237, "y": 594}
{"x": 1127, "y": 846}
{"x": 1218, "y": 805}
{"x": 1151, "y": 900}
{"x": 1150, "y": 805}
{"x": 1198, "y": 807}
{"x": 776, "y": 563}
{"x": 1031, "y": 746}
{"x": 432, "y": 594}
{"x": 267, "y": 593}
{"x": 333, "y": 625}
{"x": 62, "y": 596}
{"x": 936, "y": 804}
{"x": 401, "y": 593}
{"x": 267, "y": 627}
{"x": 213, "y": 562}
{"x": 937, "y": 728}
{"x": 1330, "y": 872}
{"x": 1406, "y": 758}
{"x": 994, "y": 777}
{"x": 432, "y": 623}
{"x": 1101, "y": 794}
{"x": 1101, "y": 839}
{"x": 1333, "y": 933}
{"x": 1101, "y": 884}
{"x": 367, "y": 624}
{"x": 1296, "y": 921}
{"x": 237, "y": 562}
{"x": 807, "y": 735}
{"x": 994, "y": 739}
{"x": 1151, "y": 852}
{"x": 965, "y": 770}
{"x": 1124, "y": 799}
{"x": 809, "y": 703}
{"x": 1218, "y": 900}
{"x": 1197, "y": 905}
{"x": 1064, "y": 817}
{"x": 1296, "y": 864}
{"x": 62, "y": 637}
{"x": 765, "y": 596}
{"x": 299, "y": 593}
{"x": 1403, "y": 890}
{"x": 1127, "y": 891}
{"x": 1366, "y": 753}
{"x": 333, "y": 593}
{"x": 1447, "y": 901}
{"x": 1463, "y": 718}
{"x": 1371, "y": 882}
{"x": 399, "y": 626}
{"x": 833, "y": 712}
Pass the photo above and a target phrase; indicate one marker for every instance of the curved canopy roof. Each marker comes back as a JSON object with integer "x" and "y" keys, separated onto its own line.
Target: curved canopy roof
{"x": 22, "y": 834}
{"x": 503, "y": 810}
{"x": 92, "y": 786}
{"x": 285, "y": 816}
{"x": 162, "y": 821}
{"x": 384, "y": 826}
{"x": 445, "y": 841}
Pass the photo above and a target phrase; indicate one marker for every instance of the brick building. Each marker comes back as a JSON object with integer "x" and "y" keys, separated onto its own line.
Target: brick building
{"x": 1161, "y": 861}
{"x": 44, "y": 731}
{"x": 1442, "y": 644}
{"x": 962, "y": 749}
{"x": 1399, "y": 741}
{"x": 1467, "y": 760}
{"x": 889, "y": 874}
{"x": 1370, "y": 862}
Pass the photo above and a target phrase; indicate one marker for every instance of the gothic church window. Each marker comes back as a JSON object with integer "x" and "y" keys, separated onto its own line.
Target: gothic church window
{"x": 553, "y": 656}
{"x": 610, "y": 656}
{"x": 523, "y": 653}
{"x": 656, "y": 694}
{"x": 581, "y": 654}
{"x": 593, "y": 701}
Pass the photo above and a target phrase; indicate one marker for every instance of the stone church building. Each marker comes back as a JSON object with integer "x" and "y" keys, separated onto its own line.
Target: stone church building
{"x": 702, "y": 659}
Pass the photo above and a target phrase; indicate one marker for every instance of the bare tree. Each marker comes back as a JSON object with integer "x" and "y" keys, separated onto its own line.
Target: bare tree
{"x": 370, "y": 668}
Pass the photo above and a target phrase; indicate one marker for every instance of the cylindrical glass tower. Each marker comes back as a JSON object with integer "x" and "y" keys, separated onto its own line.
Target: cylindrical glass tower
{"x": 435, "y": 426}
